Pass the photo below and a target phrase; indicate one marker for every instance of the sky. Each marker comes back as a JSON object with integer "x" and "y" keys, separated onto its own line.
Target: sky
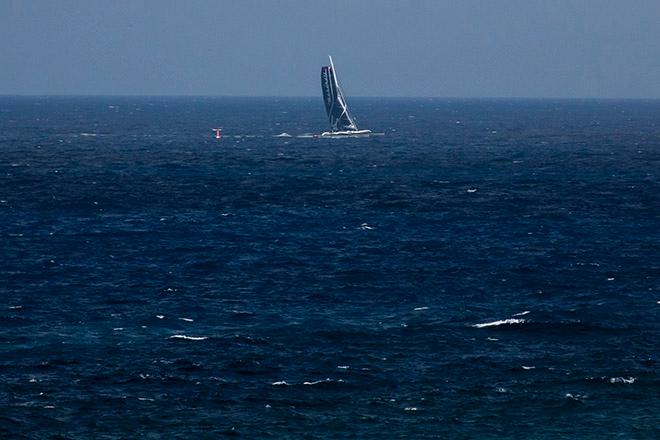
{"x": 434, "y": 48}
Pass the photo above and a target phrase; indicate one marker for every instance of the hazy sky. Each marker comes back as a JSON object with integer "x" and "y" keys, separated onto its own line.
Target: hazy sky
{"x": 458, "y": 48}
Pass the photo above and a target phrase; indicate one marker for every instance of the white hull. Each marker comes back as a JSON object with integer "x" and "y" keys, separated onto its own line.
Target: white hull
{"x": 346, "y": 133}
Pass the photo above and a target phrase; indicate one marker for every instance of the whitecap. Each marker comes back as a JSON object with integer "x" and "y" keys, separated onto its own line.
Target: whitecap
{"x": 500, "y": 322}
{"x": 15, "y": 307}
{"x": 627, "y": 380}
{"x": 280, "y": 383}
{"x": 525, "y": 367}
{"x": 365, "y": 226}
{"x": 283, "y": 135}
{"x": 148, "y": 399}
{"x": 472, "y": 190}
{"x": 526, "y": 312}
{"x": 343, "y": 367}
{"x": 190, "y": 338}
{"x": 160, "y": 316}
{"x": 417, "y": 309}
{"x": 492, "y": 339}
{"x": 186, "y": 319}
{"x": 326, "y": 380}
{"x": 411, "y": 408}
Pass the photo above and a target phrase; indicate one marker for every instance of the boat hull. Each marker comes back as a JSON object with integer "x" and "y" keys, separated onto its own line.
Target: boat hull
{"x": 346, "y": 133}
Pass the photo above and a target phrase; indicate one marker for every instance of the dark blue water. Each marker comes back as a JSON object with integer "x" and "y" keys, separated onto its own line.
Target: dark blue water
{"x": 485, "y": 269}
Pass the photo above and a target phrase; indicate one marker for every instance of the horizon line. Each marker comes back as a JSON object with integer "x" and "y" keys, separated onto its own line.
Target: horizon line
{"x": 109, "y": 95}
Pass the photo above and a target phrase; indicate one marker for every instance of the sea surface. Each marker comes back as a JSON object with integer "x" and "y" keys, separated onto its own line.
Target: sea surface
{"x": 483, "y": 269}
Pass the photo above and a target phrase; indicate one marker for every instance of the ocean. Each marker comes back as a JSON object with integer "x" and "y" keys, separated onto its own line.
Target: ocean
{"x": 483, "y": 269}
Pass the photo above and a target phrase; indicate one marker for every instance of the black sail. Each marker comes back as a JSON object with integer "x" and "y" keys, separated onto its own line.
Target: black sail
{"x": 335, "y": 104}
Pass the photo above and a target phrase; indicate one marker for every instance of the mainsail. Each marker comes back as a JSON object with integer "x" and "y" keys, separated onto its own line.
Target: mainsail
{"x": 335, "y": 103}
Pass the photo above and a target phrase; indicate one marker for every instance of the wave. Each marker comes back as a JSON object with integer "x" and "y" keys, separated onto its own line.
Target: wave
{"x": 284, "y": 383}
{"x": 189, "y": 338}
{"x": 510, "y": 321}
{"x": 625, "y": 380}
{"x": 326, "y": 380}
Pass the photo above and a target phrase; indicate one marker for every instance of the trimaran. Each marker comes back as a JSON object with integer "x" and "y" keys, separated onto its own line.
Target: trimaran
{"x": 341, "y": 121}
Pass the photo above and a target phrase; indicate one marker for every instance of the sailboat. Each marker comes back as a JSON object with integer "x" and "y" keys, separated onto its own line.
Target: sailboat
{"x": 341, "y": 121}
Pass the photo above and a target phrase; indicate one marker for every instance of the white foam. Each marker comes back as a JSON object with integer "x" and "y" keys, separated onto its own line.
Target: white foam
{"x": 500, "y": 322}
{"x": 283, "y": 135}
{"x": 186, "y": 319}
{"x": 492, "y": 339}
{"x": 148, "y": 399}
{"x": 525, "y": 367}
{"x": 627, "y": 380}
{"x": 526, "y": 312}
{"x": 190, "y": 338}
{"x": 472, "y": 190}
{"x": 343, "y": 367}
{"x": 365, "y": 226}
{"x": 160, "y": 316}
{"x": 411, "y": 408}
{"x": 88, "y": 134}
{"x": 280, "y": 383}
{"x": 326, "y": 380}
{"x": 15, "y": 307}
{"x": 417, "y": 309}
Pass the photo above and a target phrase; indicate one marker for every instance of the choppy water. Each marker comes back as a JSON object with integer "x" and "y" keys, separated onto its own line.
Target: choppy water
{"x": 486, "y": 269}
